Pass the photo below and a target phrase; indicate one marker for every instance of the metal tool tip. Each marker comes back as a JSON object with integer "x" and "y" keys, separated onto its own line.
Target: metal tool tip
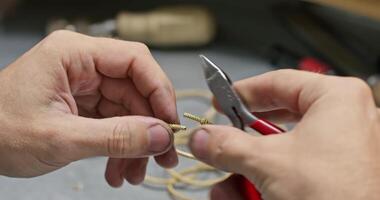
{"x": 204, "y": 59}
{"x": 209, "y": 67}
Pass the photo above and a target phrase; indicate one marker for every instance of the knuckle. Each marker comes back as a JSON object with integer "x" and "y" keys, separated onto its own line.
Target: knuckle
{"x": 219, "y": 153}
{"x": 124, "y": 139}
{"x": 357, "y": 88}
{"x": 281, "y": 73}
{"x": 358, "y": 84}
{"x": 60, "y": 34}
{"x": 225, "y": 148}
{"x": 229, "y": 151}
{"x": 58, "y": 37}
{"x": 164, "y": 83}
{"x": 285, "y": 71}
{"x": 54, "y": 41}
{"x": 119, "y": 139}
{"x": 142, "y": 48}
{"x": 348, "y": 88}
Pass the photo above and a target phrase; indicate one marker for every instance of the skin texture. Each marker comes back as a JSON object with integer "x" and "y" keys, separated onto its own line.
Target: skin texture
{"x": 331, "y": 153}
{"x": 73, "y": 97}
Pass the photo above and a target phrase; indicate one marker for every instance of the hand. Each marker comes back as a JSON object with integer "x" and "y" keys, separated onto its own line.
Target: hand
{"x": 331, "y": 153}
{"x": 73, "y": 96}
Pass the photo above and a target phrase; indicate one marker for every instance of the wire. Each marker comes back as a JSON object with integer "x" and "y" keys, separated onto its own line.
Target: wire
{"x": 188, "y": 176}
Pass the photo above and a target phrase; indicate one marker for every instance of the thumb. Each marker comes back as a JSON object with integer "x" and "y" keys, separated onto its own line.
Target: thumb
{"x": 117, "y": 137}
{"x": 233, "y": 150}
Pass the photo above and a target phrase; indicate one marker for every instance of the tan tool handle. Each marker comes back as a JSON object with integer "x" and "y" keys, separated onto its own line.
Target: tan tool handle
{"x": 367, "y": 8}
{"x": 166, "y": 27}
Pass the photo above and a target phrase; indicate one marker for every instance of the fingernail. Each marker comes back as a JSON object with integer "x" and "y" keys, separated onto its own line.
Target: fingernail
{"x": 159, "y": 139}
{"x": 199, "y": 143}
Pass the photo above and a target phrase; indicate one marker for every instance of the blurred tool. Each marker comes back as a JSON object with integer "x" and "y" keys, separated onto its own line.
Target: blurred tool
{"x": 163, "y": 27}
{"x": 368, "y": 8}
{"x": 309, "y": 29}
{"x": 231, "y": 105}
{"x": 283, "y": 57}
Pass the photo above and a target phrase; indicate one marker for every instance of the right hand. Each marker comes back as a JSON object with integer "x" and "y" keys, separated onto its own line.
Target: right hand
{"x": 331, "y": 153}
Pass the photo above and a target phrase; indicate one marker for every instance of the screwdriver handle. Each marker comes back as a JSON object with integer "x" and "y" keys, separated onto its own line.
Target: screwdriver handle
{"x": 168, "y": 26}
{"x": 265, "y": 128}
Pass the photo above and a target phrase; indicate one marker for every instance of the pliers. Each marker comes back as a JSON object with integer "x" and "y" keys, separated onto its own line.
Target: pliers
{"x": 232, "y": 106}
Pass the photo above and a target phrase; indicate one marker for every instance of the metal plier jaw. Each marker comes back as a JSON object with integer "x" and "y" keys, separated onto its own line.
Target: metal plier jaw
{"x": 227, "y": 98}
{"x": 230, "y": 103}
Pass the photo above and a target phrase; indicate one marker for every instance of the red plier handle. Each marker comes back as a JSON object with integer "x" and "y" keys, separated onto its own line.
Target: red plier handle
{"x": 265, "y": 128}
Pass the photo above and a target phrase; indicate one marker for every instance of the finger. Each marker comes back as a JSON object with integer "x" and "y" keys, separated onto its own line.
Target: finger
{"x": 87, "y": 103}
{"x": 86, "y": 113}
{"x": 222, "y": 150}
{"x": 291, "y": 90}
{"x": 120, "y": 59}
{"x": 135, "y": 169}
{"x": 276, "y": 116}
{"x": 132, "y": 170}
{"x": 228, "y": 189}
{"x": 233, "y": 150}
{"x": 130, "y": 60}
{"x": 107, "y": 108}
{"x": 118, "y": 137}
{"x": 124, "y": 92}
{"x": 114, "y": 59}
{"x": 169, "y": 159}
{"x": 112, "y": 174}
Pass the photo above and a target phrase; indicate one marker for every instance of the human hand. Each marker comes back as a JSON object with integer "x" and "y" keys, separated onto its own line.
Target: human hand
{"x": 73, "y": 96}
{"x": 331, "y": 153}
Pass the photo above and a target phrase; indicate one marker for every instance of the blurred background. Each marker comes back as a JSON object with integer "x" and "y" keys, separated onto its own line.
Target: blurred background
{"x": 244, "y": 37}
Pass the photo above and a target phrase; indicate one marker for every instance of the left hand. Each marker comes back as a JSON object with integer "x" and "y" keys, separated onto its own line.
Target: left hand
{"x": 69, "y": 74}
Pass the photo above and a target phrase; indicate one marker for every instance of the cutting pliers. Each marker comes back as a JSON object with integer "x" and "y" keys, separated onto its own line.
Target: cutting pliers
{"x": 232, "y": 106}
